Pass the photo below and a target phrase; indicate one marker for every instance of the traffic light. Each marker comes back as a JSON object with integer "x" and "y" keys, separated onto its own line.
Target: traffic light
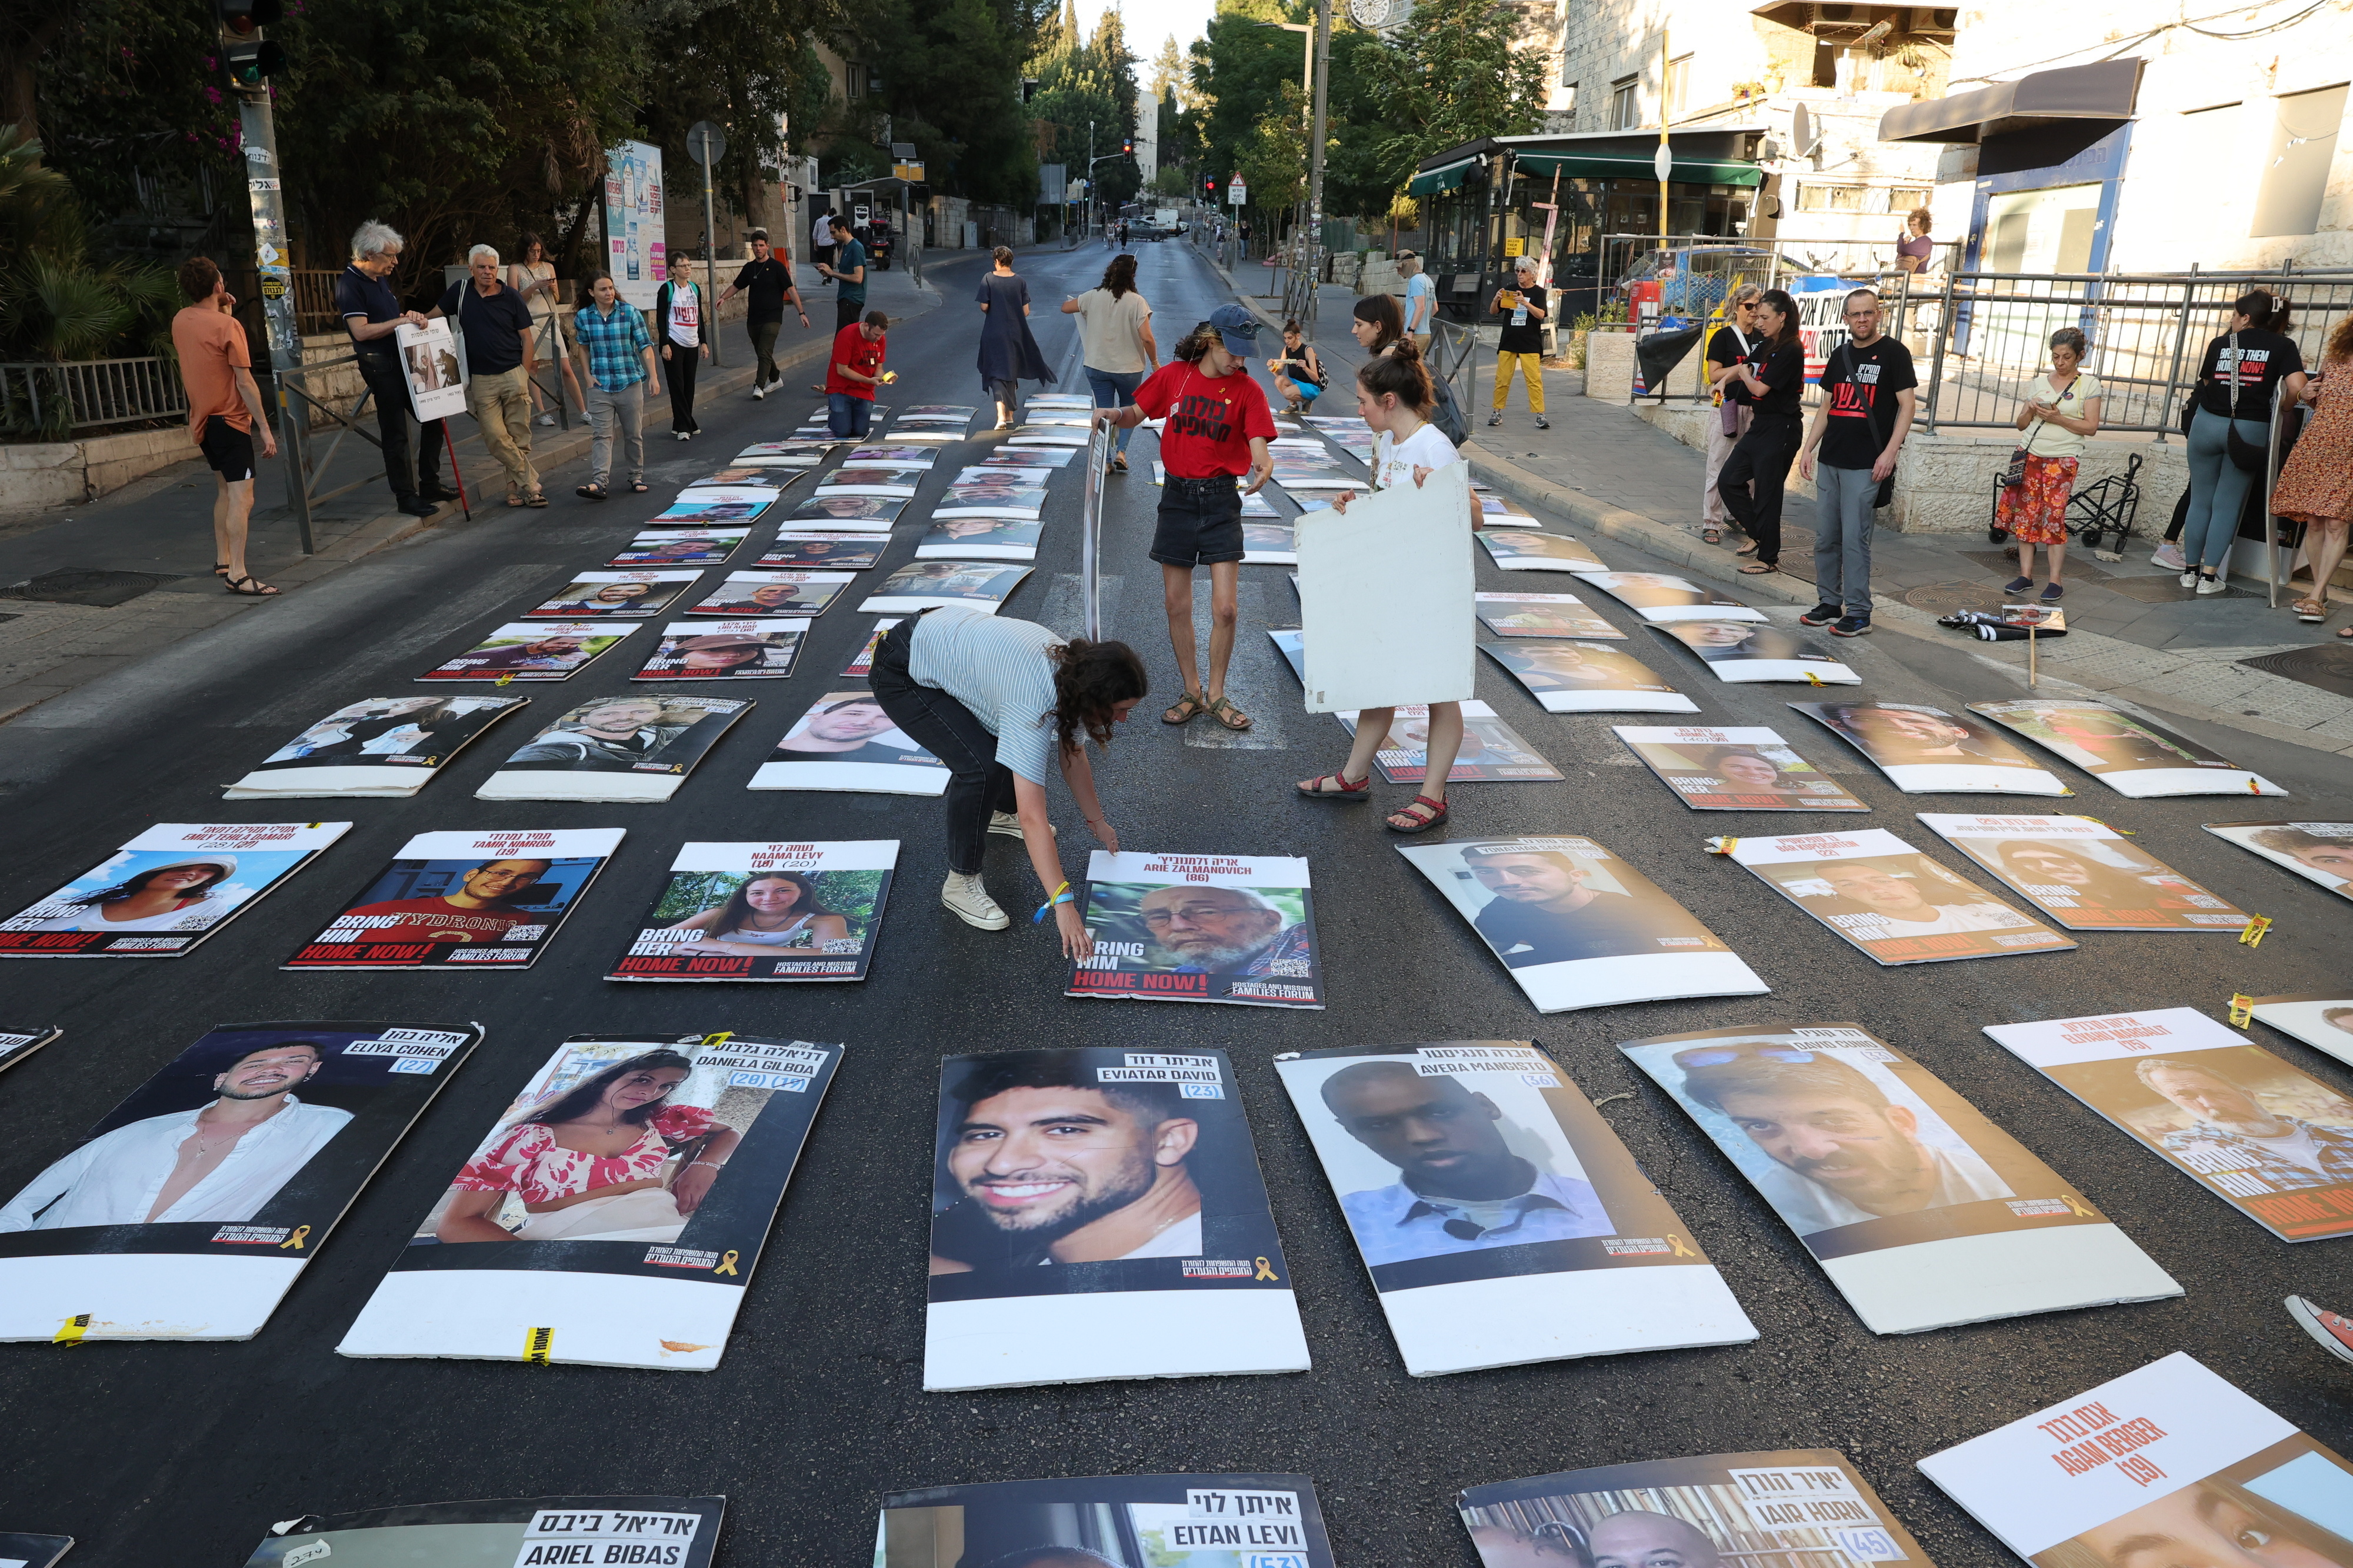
{"x": 1209, "y": 189}
{"x": 251, "y": 65}
{"x": 1127, "y": 147}
{"x": 251, "y": 61}
{"x": 238, "y": 18}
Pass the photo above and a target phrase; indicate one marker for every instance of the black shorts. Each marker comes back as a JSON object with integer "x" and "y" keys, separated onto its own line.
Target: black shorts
{"x": 229, "y": 450}
{"x": 1200, "y": 521}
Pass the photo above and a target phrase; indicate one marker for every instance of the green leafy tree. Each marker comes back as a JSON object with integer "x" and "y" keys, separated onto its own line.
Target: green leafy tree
{"x": 1451, "y": 74}
{"x": 739, "y": 65}
{"x": 951, "y": 72}
{"x": 1087, "y": 95}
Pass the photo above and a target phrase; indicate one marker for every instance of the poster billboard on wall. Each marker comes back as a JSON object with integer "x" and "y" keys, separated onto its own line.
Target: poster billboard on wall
{"x": 634, "y": 246}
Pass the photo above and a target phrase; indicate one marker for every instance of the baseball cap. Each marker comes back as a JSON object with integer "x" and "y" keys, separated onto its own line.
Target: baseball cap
{"x": 1237, "y": 327}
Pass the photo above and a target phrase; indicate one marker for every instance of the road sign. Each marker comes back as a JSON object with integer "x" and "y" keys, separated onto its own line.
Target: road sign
{"x": 911, "y": 173}
{"x": 1662, "y": 163}
{"x": 1236, "y": 194}
{"x": 705, "y": 143}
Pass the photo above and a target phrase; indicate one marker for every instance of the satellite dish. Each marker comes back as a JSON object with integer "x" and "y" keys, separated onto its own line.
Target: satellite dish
{"x": 1803, "y": 138}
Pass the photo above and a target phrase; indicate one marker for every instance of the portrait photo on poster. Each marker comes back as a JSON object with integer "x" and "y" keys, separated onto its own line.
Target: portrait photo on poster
{"x": 2132, "y": 755}
{"x": 1890, "y": 900}
{"x": 1542, "y": 616}
{"x": 551, "y": 650}
{"x": 1199, "y": 928}
{"x": 899, "y": 483}
{"x": 2319, "y": 852}
{"x": 701, "y": 650}
{"x": 1659, "y": 598}
{"x": 2084, "y": 874}
{"x": 1928, "y": 751}
{"x": 673, "y": 1531}
{"x": 1743, "y": 652}
{"x": 680, "y": 547}
{"x": 637, "y": 746}
{"x": 980, "y": 538}
{"x": 1587, "y": 677}
{"x": 765, "y": 911}
{"x": 1492, "y": 751}
{"x": 943, "y": 584}
{"x": 1745, "y": 769}
{"x": 431, "y": 363}
{"x": 1110, "y": 1521}
{"x": 464, "y": 900}
{"x": 745, "y": 594}
{"x": 826, "y": 551}
{"x": 2323, "y": 1022}
{"x": 623, "y": 595}
{"x": 862, "y": 663}
{"x": 1526, "y": 548}
{"x": 847, "y": 742}
{"x": 166, "y": 890}
{"x": 847, "y": 514}
{"x": 381, "y": 746}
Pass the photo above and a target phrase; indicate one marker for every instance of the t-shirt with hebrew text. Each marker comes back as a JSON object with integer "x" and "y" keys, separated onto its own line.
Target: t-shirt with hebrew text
{"x": 1212, "y": 420}
{"x": 1861, "y": 385}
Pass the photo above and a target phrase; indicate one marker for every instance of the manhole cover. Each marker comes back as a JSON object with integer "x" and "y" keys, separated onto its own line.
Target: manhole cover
{"x": 2006, "y": 562}
{"x": 1944, "y": 598}
{"x": 2155, "y": 588}
{"x": 2328, "y": 665}
{"x": 81, "y": 586}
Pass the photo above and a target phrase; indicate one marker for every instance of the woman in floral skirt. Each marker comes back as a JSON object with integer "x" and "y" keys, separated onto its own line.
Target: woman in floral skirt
{"x": 2057, "y": 422}
{"x": 2315, "y": 483}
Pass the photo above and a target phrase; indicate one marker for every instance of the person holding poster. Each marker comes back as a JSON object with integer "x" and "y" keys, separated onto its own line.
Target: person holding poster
{"x": 372, "y": 314}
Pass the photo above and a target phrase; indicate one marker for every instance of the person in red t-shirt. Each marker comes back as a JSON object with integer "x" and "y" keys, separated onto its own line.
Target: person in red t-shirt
{"x": 224, "y": 410}
{"x": 852, "y": 373}
{"x": 477, "y": 912}
{"x": 1218, "y": 427}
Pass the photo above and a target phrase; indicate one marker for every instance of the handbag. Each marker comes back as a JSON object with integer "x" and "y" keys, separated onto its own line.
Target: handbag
{"x": 1727, "y": 411}
{"x": 2250, "y": 458}
{"x": 2015, "y": 475}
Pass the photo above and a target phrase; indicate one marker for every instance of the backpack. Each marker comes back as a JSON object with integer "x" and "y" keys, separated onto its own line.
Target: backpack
{"x": 1446, "y": 414}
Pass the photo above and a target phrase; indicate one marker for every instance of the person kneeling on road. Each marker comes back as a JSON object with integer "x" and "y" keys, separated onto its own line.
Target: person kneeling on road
{"x": 852, "y": 374}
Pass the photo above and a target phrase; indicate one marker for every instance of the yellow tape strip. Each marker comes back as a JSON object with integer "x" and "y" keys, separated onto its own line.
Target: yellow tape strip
{"x": 2242, "y": 1010}
{"x": 71, "y": 1333}
{"x": 1721, "y": 845}
{"x": 2253, "y": 936}
{"x": 535, "y": 1345}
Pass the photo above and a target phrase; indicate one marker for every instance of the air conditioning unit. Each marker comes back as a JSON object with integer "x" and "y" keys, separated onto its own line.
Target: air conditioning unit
{"x": 1935, "y": 22}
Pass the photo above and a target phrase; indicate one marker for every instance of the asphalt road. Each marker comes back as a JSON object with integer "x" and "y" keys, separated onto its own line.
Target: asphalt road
{"x": 158, "y": 1453}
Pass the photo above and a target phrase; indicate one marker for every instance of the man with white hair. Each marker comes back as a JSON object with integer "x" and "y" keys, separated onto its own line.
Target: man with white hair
{"x": 375, "y": 316}
{"x": 498, "y": 330}
{"x": 1219, "y": 931}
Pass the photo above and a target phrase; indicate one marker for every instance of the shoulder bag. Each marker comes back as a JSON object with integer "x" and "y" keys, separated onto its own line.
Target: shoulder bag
{"x": 2250, "y": 458}
{"x": 2015, "y": 475}
{"x": 1728, "y": 410}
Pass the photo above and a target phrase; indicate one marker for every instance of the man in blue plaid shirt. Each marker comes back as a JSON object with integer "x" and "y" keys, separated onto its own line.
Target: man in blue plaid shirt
{"x": 2233, "y": 1138}
{"x": 621, "y": 370}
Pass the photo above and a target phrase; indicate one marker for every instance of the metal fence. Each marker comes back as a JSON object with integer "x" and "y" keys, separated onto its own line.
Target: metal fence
{"x": 55, "y": 398}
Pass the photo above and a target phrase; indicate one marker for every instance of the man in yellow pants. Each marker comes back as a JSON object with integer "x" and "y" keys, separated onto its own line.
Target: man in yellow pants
{"x": 1521, "y": 347}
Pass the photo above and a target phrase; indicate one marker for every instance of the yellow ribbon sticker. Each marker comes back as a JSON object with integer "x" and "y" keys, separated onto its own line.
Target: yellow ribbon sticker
{"x": 503, "y": 679}
{"x": 295, "y": 1240}
{"x": 2255, "y": 787}
{"x": 536, "y": 1345}
{"x": 719, "y": 1039}
{"x": 2242, "y": 1010}
{"x": 727, "y": 1263}
{"x": 71, "y": 1332}
{"x": 1681, "y": 1250}
{"x": 1813, "y": 679}
{"x": 2077, "y": 1206}
{"x": 1265, "y": 1271}
{"x": 2253, "y": 936}
{"x": 1721, "y": 845}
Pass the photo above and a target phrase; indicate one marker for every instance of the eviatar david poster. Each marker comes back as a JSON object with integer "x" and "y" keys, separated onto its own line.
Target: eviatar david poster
{"x": 526, "y": 1533}
{"x": 430, "y": 365}
{"x": 1796, "y": 1506}
{"x": 1492, "y": 751}
{"x": 1746, "y": 769}
{"x": 1661, "y": 599}
{"x": 480, "y": 900}
{"x": 189, "y": 1210}
{"x": 612, "y": 1214}
{"x": 2271, "y": 1141}
{"x": 1098, "y": 1213}
{"x": 2323, "y": 1022}
{"x": 944, "y": 584}
{"x": 765, "y": 911}
{"x": 847, "y": 742}
{"x": 1576, "y": 926}
{"x": 1199, "y": 928}
{"x": 1927, "y": 751}
{"x": 2169, "y": 1463}
{"x": 1744, "y": 652}
{"x": 549, "y": 650}
{"x": 1923, "y": 1213}
{"x": 2132, "y": 756}
{"x": 2084, "y": 874}
{"x": 1891, "y": 901}
{"x": 2319, "y": 852}
{"x": 385, "y": 746}
{"x": 704, "y": 650}
{"x": 1501, "y": 1220}
{"x": 17, "y": 1044}
{"x": 620, "y": 596}
{"x": 166, "y": 890}
{"x": 635, "y": 748}
{"x": 1587, "y": 677}
{"x": 1109, "y": 1521}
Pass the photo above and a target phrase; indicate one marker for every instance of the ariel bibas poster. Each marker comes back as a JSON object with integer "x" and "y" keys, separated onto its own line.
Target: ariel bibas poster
{"x": 765, "y": 911}
{"x": 526, "y": 1533}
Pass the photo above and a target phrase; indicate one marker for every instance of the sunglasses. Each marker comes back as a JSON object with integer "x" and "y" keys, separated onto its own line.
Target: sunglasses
{"x": 1718, "y": 1056}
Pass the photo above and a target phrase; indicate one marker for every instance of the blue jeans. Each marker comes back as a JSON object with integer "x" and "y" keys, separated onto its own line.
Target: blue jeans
{"x": 1116, "y": 389}
{"x": 847, "y": 416}
{"x": 2218, "y": 488}
{"x": 1843, "y": 522}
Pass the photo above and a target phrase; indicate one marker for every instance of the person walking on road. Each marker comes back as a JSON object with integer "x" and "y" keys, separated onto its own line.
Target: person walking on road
{"x": 224, "y": 410}
{"x": 374, "y": 317}
{"x": 1420, "y": 299}
{"x": 852, "y": 373}
{"x": 1214, "y": 447}
{"x": 679, "y": 323}
{"x": 848, "y": 270}
{"x": 1867, "y": 389}
{"x": 533, "y": 278}
{"x": 1008, "y": 352}
{"x": 496, "y": 326}
{"x": 620, "y": 368}
{"x": 1521, "y": 344}
{"x": 1728, "y": 422}
{"x": 2057, "y": 422}
{"x": 1772, "y": 381}
{"x": 1116, "y": 347}
{"x": 2315, "y": 483}
{"x": 997, "y": 701}
{"x": 768, "y": 279}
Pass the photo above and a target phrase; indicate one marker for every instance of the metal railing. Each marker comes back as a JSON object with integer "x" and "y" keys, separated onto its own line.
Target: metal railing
{"x": 76, "y": 395}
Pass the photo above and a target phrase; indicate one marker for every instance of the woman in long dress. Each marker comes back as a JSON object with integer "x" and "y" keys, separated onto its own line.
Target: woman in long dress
{"x": 1008, "y": 355}
{"x": 2315, "y": 483}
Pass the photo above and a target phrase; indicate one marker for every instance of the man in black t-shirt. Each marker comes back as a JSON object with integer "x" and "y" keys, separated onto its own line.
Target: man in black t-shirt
{"x": 768, "y": 279}
{"x": 1865, "y": 413}
{"x": 1735, "y": 342}
{"x": 496, "y": 326}
{"x": 1520, "y": 345}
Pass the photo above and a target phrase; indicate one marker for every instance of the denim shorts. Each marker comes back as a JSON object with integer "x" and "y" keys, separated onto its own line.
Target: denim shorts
{"x": 1200, "y": 521}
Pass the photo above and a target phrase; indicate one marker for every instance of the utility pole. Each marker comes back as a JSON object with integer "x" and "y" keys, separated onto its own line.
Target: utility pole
{"x": 1663, "y": 161}
{"x": 1087, "y": 223}
{"x": 1323, "y": 75}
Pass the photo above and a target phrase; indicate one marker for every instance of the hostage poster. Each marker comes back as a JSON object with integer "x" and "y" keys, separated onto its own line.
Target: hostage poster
{"x": 1927, "y": 751}
{"x": 1923, "y": 1213}
{"x": 613, "y": 1213}
{"x": 847, "y": 742}
{"x": 430, "y": 364}
{"x": 1587, "y": 677}
{"x": 382, "y": 746}
{"x": 635, "y": 748}
{"x": 2319, "y": 852}
{"x": 1661, "y": 599}
{"x": 480, "y": 900}
{"x": 1108, "y": 1522}
{"x": 626, "y": 595}
{"x": 17, "y": 1044}
{"x": 1746, "y": 769}
{"x": 1098, "y": 1213}
{"x": 556, "y": 650}
{"x": 166, "y": 890}
{"x": 1492, "y": 751}
{"x": 2132, "y": 756}
{"x": 1500, "y": 1217}
{"x": 1199, "y": 928}
{"x": 2084, "y": 874}
{"x": 2321, "y": 1021}
{"x": 765, "y": 911}
{"x": 1541, "y": 616}
{"x": 1891, "y": 901}
{"x": 522, "y": 1532}
{"x": 1744, "y": 652}
{"x": 703, "y": 650}
{"x": 189, "y": 1210}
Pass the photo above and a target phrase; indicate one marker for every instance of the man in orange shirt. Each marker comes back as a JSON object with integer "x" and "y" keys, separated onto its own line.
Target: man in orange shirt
{"x": 224, "y": 410}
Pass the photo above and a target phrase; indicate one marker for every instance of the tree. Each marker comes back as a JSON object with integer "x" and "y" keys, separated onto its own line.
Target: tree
{"x": 1087, "y": 88}
{"x": 1451, "y": 74}
{"x": 1169, "y": 74}
{"x": 739, "y": 65}
{"x": 951, "y": 73}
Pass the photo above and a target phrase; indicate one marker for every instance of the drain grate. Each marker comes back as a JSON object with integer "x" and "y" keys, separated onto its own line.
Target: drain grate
{"x": 1945, "y": 599}
{"x": 89, "y": 586}
{"x": 2328, "y": 665}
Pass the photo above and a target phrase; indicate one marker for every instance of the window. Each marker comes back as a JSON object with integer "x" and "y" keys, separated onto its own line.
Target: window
{"x": 1678, "y": 89}
{"x": 1903, "y": 198}
{"x": 1816, "y": 198}
{"x": 1625, "y": 106}
{"x": 2295, "y": 164}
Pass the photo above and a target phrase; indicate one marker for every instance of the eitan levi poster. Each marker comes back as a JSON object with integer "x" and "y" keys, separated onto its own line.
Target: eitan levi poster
{"x": 1927, "y": 751}
{"x": 1923, "y": 1213}
{"x": 637, "y": 747}
{"x": 1098, "y": 1213}
{"x": 482, "y": 900}
{"x": 189, "y": 1210}
{"x": 2321, "y": 1021}
{"x": 1199, "y": 928}
{"x": 1492, "y": 751}
{"x": 382, "y": 746}
{"x": 2084, "y": 874}
{"x": 1889, "y": 899}
{"x": 846, "y": 741}
{"x": 2130, "y": 755}
{"x": 613, "y": 1213}
{"x": 166, "y": 890}
{"x": 1746, "y": 769}
{"x": 1109, "y": 1521}
{"x": 765, "y": 911}
{"x": 2319, "y": 852}
{"x": 706, "y": 650}
{"x": 1587, "y": 677}
{"x": 1500, "y": 1217}
{"x": 551, "y": 650}
{"x": 526, "y": 1533}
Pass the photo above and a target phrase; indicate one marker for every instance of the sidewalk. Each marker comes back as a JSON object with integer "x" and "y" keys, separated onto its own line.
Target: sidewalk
{"x": 2136, "y": 636}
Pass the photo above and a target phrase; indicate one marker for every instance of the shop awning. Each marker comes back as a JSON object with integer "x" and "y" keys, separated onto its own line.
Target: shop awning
{"x": 1591, "y": 166}
{"x": 2104, "y": 91}
{"x": 1447, "y": 177}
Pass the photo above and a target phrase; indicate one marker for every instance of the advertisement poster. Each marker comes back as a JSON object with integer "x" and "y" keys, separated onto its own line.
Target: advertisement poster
{"x": 596, "y": 595}
{"x": 1578, "y": 927}
{"x": 1923, "y": 1213}
{"x": 166, "y": 890}
{"x": 1890, "y": 900}
{"x": 1747, "y": 769}
{"x": 1108, "y": 1522}
{"x": 430, "y": 364}
{"x": 539, "y": 1249}
{"x": 899, "y": 483}
{"x": 1927, "y": 751}
{"x": 131, "y": 1236}
{"x": 862, "y": 663}
{"x": 1528, "y": 550}
{"x": 635, "y": 252}
{"x": 1661, "y": 599}
{"x": 637, "y": 748}
{"x": 750, "y": 595}
{"x": 1269, "y": 545}
{"x": 1795, "y": 1507}
{"x": 465, "y": 899}
{"x": 1098, "y": 1213}
{"x": 847, "y": 514}
{"x": 1587, "y": 677}
{"x": 2169, "y": 1462}
{"x": 765, "y": 911}
{"x": 830, "y": 552}
{"x": 17, "y": 1044}
{"x": 939, "y": 584}
{"x": 549, "y": 651}
{"x": 2325, "y": 1023}
{"x": 2132, "y": 756}
{"x": 1501, "y": 1220}
{"x": 669, "y": 547}
{"x": 2318, "y": 852}
{"x": 386, "y": 747}
{"x": 979, "y": 539}
{"x": 1492, "y": 751}
{"x": 1743, "y": 652}
{"x": 1199, "y": 928}
{"x": 699, "y": 650}
{"x": 674, "y": 1531}
{"x": 1542, "y": 616}
{"x": 847, "y": 742}
{"x": 2273, "y": 1142}
{"x": 2084, "y": 874}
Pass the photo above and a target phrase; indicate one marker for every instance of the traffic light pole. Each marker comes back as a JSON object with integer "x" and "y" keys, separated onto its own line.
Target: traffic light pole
{"x": 264, "y": 186}
{"x": 1315, "y": 157}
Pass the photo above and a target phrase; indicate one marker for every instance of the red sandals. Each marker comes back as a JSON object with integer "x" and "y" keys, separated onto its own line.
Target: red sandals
{"x": 1436, "y": 809}
{"x": 1313, "y": 788}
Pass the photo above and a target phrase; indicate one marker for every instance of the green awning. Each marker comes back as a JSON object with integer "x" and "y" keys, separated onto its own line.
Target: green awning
{"x": 1429, "y": 182}
{"x": 1592, "y": 167}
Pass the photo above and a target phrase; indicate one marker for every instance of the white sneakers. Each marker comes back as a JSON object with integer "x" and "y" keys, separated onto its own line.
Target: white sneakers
{"x": 2168, "y": 555}
{"x": 1010, "y": 824}
{"x": 681, "y": 434}
{"x": 968, "y": 901}
{"x": 2211, "y": 586}
{"x": 759, "y": 394}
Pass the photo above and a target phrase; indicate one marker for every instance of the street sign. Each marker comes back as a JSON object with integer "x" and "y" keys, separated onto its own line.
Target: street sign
{"x": 1516, "y": 247}
{"x": 1662, "y": 163}
{"x": 1236, "y": 194}
{"x": 706, "y": 142}
{"x": 911, "y": 173}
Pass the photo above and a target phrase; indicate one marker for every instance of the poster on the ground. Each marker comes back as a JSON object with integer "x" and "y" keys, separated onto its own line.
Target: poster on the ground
{"x": 1576, "y": 926}
{"x": 700, "y": 650}
{"x": 1256, "y": 504}
{"x": 1291, "y": 642}
{"x": 1791, "y": 1507}
{"x": 716, "y": 504}
{"x": 1035, "y": 435}
{"x": 552, "y": 650}
{"x": 1492, "y": 751}
{"x": 1542, "y": 616}
{"x": 1269, "y": 545}
{"x": 465, "y": 900}
{"x": 1097, "y": 1212}
{"x": 637, "y": 747}
{"x": 1890, "y": 900}
{"x": 2169, "y": 1464}
{"x": 1922, "y": 1212}
{"x": 1501, "y": 1220}
{"x": 1385, "y": 596}
{"x": 1199, "y": 928}
{"x": 522, "y": 1532}
{"x": 783, "y": 457}
{"x": 898, "y": 483}
{"x": 2084, "y": 874}
{"x": 612, "y": 1214}
{"x": 187, "y": 1212}
{"x": 669, "y": 547}
{"x": 1023, "y": 501}
{"x": 1927, "y": 751}
{"x": 1587, "y": 677}
{"x": 1661, "y": 599}
{"x": 166, "y": 890}
{"x": 793, "y": 910}
{"x": 745, "y": 474}
{"x": 826, "y": 552}
{"x": 941, "y": 585}
{"x": 1744, "y": 652}
{"x": 742, "y": 595}
{"x": 1108, "y": 1522}
{"x": 2268, "y": 1138}
{"x": 430, "y": 364}
{"x": 1748, "y": 768}
{"x": 600, "y": 595}
{"x": 862, "y": 663}
{"x": 2321, "y": 1021}
{"x": 18, "y": 1549}
{"x": 2131, "y": 755}
{"x": 1530, "y": 550}
{"x": 16, "y": 1043}
{"x": 879, "y": 456}
{"x": 387, "y": 747}
{"x": 846, "y": 514}
{"x": 979, "y": 539}
{"x": 1027, "y": 458}
{"x": 845, "y": 741}
{"x": 2320, "y": 852}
